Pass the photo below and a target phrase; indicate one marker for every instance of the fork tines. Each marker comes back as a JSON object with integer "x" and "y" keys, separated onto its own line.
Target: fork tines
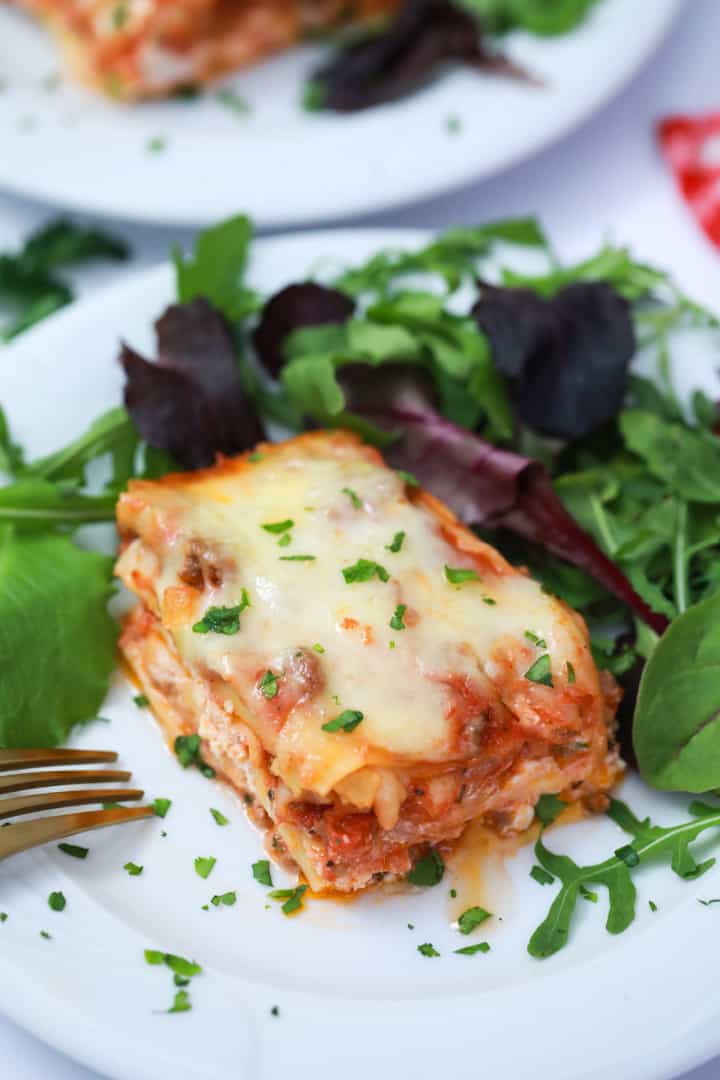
{"x": 43, "y": 830}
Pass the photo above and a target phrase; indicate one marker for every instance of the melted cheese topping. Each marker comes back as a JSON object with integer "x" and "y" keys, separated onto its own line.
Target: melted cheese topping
{"x": 305, "y": 622}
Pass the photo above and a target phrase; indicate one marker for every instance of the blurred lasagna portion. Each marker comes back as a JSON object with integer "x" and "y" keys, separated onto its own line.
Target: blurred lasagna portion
{"x": 145, "y": 48}
{"x": 364, "y": 670}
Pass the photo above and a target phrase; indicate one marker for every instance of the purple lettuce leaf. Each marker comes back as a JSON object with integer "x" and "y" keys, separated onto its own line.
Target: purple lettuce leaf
{"x": 191, "y": 402}
{"x": 297, "y": 306}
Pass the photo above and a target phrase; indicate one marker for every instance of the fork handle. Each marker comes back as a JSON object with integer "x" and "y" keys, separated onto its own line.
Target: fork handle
{"x": 30, "y": 834}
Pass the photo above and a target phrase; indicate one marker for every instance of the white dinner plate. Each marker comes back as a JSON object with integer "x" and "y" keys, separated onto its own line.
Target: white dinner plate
{"x": 62, "y": 144}
{"x": 355, "y": 997}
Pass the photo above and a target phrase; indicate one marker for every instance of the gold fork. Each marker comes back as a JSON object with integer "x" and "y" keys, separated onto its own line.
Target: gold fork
{"x": 43, "y": 830}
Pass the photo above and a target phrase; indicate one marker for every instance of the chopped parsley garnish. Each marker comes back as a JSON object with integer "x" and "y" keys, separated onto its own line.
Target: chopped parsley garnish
{"x": 347, "y": 721}
{"x": 628, "y": 855}
{"x": 570, "y": 673}
{"x": 298, "y": 558}
{"x": 397, "y": 620}
{"x": 541, "y": 671}
{"x": 274, "y": 1011}
{"x": 459, "y": 576}
{"x": 261, "y": 872}
{"x": 471, "y": 918}
{"x": 44, "y": 934}
{"x": 120, "y": 15}
{"x": 285, "y": 540}
{"x": 653, "y": 906}
{"x": 56, "y": 901}
{"x": 177, "y": 964}
{"x": 187, "y": 749}
{"x": 542, "y": 876}
{"x": 269, "y": 685}
{"x": 548, "y": 807}
{"x": 161, "y": 807}
{"x": 318, "y": 647}
{"x": 233, "y": 101}
{"x": 408, "y": 477}
{"x": 427, "y": 949}
{"x": 133, "y": 869}
{"x": 3, "y": 916}
{"x": 588, "y": 895}
{"x": 181, "y": 1002}
{"x": 535, "y": 640}
{"x": 353, "y": 497}
{"x": 181, "y": 980}
{"x": 156, "y": 145}
{"x": 397, "y": 543}
{"x": 471, "y": 950}
{"x": 453, "y": 894}
{"x": 220, "y": 818}
{"x": 255, "y": 457}
{"x": 707, "y": 903}
{"x": 222, "y": 620}
{"x": 428, "y": 870}
{"x": 364, "y": 570}
{"x": 141, "y": 701}
{"x": 292, "y": 898}
{"x": 391, "y": 644}
{"x": 278, "y": 527}
{"x": 204, "y": 866}
{"x": 489, "y": 601}
{"x": 453, "y": 124}
{"x": 227, "y": 899}
{"x": 75, "y": 850}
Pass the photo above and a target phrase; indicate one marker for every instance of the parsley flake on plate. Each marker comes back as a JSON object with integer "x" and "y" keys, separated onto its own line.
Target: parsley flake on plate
{"x": 471, "y": 918}
{"x": 177, "y": 964}
{"x": 261, "y": 872}
{"x": 426, "y": 949}
{"x": 298, "y": 558}
{"x": 541, "y": 671}
{"x": 181, "y": 1002}
{"x": 161, "y": 807}
{"x": 542, "y": 876}
{"x": 274, "y": 1011}
{"x": 57, "y": 901}
{"x": 347, "y": 721}
{"x": 220, "y": 818}
{"x": 141, "y": 700}
{"x": 459, "y": 576}
{"x": 133, "y": 869}
{"x": 3, "y": 916}
{"x": 204, "y": 865}
{"x": 472, "y": 950}
{"x": 75, "y": 850}
{"x": 292, "y": 898}
{"x": 428, "y": 870}
{"x": 226, "y": 899}
{"x": 44, "y": 934}
{"x": 269, "y": 685}
{"x": 364, "y": 570}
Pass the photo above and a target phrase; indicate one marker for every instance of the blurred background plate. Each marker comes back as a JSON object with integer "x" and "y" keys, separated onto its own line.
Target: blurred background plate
{"x": 192, "y": 162}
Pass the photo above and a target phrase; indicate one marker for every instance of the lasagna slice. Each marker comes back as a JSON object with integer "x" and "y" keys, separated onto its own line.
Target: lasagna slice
{"x": 145, "y": 48}
{"x": 364, "y": 670}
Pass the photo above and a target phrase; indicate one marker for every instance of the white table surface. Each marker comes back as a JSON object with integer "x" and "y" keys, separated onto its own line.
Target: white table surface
{"x": 597, "y": 174}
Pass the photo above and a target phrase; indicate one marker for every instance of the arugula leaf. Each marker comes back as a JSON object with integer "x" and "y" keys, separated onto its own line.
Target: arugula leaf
{"x": 53, "y": 600}
{"x": 11, "y": 453}
{"x": 61, "y": 243}
{"x": 686, "y": 459}
{"x": 216, "y": 269}
{"x": 676, "y": 730}
{"x": 549, "y": 807}
{"x": 35, "y": 505}
{"x": 649, "y": 841}
{"x": 534, "y": 16}
{"x": 112, "y": 433}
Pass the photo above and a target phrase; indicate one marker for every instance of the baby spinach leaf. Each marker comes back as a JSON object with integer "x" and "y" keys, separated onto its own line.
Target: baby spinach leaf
{"x": 57, "y": 640}
{"x": 676, "y": 731}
